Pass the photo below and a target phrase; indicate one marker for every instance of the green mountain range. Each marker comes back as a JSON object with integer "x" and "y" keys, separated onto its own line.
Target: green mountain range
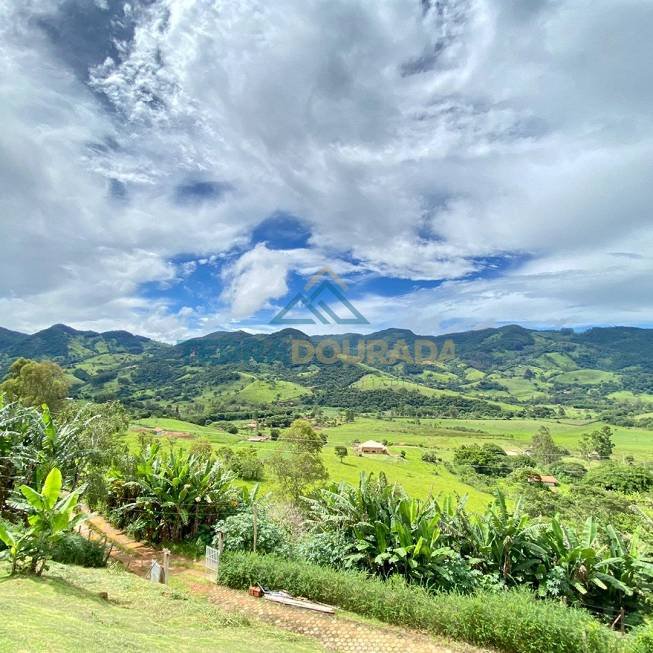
{"x": 499, "y": 370}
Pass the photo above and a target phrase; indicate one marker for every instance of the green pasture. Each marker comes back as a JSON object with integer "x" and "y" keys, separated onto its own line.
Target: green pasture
{"x": 268, "y": 391}
{"x": 388, "y": 382}
{"x": 585, "y": 377}
{"x": 414, "y": 438}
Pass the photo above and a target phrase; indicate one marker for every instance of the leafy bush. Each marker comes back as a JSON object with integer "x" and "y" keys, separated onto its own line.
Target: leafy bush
{"x": 487, "y": 459}
{"x": 247, "y": 465}
{"x": 642, "y": 640}
{"x": 522, "y": 461}
{"x": 201, "y": 448}
{"x": 238, "y": 532}
{"x": 329, "y": 549}
{"x": 568, "y": 472}
{"x": 439, "y": 545}
{"x": 620, "y": 478}
{"x": 81, "y": 442}
{"x": 512, "y": 621}
{"x": 431, "y": 456}
{"x": 73, "y": 549}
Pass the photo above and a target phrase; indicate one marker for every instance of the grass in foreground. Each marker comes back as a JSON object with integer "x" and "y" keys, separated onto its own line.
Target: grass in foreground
{"x": 63, "y": 612}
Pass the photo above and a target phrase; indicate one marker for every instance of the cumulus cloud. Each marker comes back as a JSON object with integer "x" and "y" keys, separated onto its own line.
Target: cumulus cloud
{"x": 416, "y": 140}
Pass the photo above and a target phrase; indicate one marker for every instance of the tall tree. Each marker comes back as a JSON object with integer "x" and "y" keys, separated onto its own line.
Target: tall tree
{"x": 598, "y": 442}
{"x": 35, "y": 383}
{"x": 544, "y": 449}
{"x": 298, "y": 463}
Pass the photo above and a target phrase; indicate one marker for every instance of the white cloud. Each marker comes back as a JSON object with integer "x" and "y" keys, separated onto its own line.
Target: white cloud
{"x": 414, "y": 143}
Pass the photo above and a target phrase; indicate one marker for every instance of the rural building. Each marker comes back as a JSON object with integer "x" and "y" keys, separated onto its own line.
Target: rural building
{"x": 549, "y": 481}
{"x": 371, "y": 446}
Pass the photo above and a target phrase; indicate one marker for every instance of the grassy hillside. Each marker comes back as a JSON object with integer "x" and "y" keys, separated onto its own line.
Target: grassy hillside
{"x": 268, "y": 391}
{"x": 63, "y": 613}
{"x": 389, "y": 382}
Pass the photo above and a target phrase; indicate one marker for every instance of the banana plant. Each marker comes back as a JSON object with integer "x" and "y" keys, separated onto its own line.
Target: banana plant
{"x": 505, "y": 542}
{"x": 170, "y": 495}
{"x": 583, "y": 564}
{"x": 18, "y": 542}
{"x": 50, "y": 516}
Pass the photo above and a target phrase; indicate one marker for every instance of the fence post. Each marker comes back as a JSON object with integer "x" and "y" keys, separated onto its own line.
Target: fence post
{"x": 254, "y": 524}
{"x": 166, "y": 565}
{"x": 220, "y": 549}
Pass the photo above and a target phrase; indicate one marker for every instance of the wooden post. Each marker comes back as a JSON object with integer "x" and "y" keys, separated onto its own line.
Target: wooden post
{"x": 220, "y": 549}
{"x": 166, "y": 565}
{"x": 621, "y": 617}
{"x": 254, "y": 524}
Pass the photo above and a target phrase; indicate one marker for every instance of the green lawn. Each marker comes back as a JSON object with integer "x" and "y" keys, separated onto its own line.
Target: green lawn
{"x": 555, "y": 360}
{"x": 520, "y": 388}
{"x": 566, "y": 432}
{"x": 63, "y": 613}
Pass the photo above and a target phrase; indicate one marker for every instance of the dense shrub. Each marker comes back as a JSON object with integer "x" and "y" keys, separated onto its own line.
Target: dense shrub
{"x": 172, "y": 495}
{"x": 238, "y": 533}
{"x": 487, "y": 459}
{"x": 247, "y": 466}
{"x": 73, "y": 549}
{"x": 568, "y": 472}
{"x": 329, "y": 549}
{"x": 439, "y": 545}
{"x": 642, "y": 641}
{"x": 512, "y": 621}
{"x": 431, "y": 456}
{"x": 30, "y": 545}
{"x": 620, "y": 478}
{"x": 244, "y": 463}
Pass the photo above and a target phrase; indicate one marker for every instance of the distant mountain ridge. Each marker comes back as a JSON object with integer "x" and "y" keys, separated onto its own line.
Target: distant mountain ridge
{"x": 630, "y": 345}
{"x": 508, "y": 365}
{"x": 66, "y": 345}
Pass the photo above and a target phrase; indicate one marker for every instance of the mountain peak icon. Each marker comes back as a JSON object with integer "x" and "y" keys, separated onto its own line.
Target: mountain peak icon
{"x": 323, "y": 291}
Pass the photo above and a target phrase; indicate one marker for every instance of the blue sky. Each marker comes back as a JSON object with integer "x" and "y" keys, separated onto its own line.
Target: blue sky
{"x": 174, "y": 168}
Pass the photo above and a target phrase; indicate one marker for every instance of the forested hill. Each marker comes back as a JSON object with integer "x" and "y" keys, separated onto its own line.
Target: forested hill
{"x": 510, "y": 364}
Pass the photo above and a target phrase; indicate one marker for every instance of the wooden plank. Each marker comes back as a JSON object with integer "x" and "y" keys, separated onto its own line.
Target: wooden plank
{"x": 287, "y": 599}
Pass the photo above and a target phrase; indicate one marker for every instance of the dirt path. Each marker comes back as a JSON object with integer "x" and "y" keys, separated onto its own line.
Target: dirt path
{"x": 336, "y": 633}
{"x": 134, "y": 555}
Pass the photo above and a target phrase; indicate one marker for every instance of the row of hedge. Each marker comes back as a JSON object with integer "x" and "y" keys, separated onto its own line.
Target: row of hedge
{"x": 512, "y": 621}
